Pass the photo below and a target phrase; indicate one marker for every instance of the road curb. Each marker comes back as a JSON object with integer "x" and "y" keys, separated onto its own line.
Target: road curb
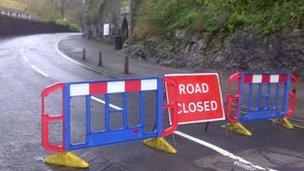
{"x": 83, "y": 64}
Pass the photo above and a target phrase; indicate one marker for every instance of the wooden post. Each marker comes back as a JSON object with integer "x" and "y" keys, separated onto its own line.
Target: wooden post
{"x": 126, "y": 65}
{"x": 100, "y": 59}
{"x": 84, "y": 54}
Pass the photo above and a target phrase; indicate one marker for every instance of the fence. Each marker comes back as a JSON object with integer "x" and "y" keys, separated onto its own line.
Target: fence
{"x": 107, "y": 135}
{"x": 259, "y": 97}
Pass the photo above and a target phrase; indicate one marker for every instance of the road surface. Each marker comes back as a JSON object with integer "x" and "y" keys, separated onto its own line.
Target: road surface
{"x": 30, "y": 63}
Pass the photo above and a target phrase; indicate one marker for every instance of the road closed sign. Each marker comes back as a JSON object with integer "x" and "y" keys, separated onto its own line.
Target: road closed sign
{"x": 198, "y": 97}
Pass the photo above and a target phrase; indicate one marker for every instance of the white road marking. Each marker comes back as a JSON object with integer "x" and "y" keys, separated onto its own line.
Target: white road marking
{"x": 243, "y": 165}
{"x": 79, "y": 63}
{"x": 67, "y": 57}
{"x": 103, "y": 102}
{"x": 220, "y": 150}
{"x": 38, "y": 70}
{"x": 22, "y": 51}
{"x": 25, "y": 58}
{"x": 24, "y": 44}
{"x": 39, "y": 158}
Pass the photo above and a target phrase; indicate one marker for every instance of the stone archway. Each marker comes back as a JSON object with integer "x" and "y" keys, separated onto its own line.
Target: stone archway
{"x": 124, "y": 30}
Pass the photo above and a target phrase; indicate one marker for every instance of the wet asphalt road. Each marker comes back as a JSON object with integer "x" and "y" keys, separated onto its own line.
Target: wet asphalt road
{"x": 271, "y": 146}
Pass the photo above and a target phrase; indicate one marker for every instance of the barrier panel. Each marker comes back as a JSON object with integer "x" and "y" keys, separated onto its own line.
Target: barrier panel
{"x": 259, "y": 97}
{"x": 107, "y": 135}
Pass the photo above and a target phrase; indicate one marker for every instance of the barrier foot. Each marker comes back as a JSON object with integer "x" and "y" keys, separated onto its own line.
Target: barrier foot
{"x": 284, "y": 122}
{"x": 238, "y": 128}
{"x": 160, "y": 144}
{"x": 67, "y": 159}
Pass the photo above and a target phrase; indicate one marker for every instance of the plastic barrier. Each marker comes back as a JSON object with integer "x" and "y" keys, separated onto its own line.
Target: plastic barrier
{"x": 107, "y": 135}
{"x": 259, "y": 97}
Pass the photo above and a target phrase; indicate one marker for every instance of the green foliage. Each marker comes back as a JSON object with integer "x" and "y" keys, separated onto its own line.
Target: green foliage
{"x": 216, "y": 16}
{"x": 63, "y": 22}
{"x": 236, "y": 20}
{"x": 94, "y": 12}
{"x": 66, "y": 23}
{"x": 14, "y": 4}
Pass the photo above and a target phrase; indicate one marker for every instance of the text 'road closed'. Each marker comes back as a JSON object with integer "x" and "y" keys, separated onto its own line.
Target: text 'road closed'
{"x": 198, "y": 97}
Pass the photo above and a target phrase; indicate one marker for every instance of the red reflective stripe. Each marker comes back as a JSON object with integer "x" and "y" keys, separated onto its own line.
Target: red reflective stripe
{"x": 283, "y": 78}
{"x": 98, "y": 88}
{"x": 248, "y": 78}
{"x": 133, "y": 86}
{"x": 266, "y": 78}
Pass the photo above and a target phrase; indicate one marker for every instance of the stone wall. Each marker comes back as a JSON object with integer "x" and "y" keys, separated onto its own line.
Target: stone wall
{"x": 15, "y": 26}
{"x": 120, "y": 18}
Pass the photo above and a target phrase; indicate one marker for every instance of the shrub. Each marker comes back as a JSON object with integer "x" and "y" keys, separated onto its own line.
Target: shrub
{"x": 93, "y": 14}
{"x": 215, "y": 16}
{"x": 66, "y": 23}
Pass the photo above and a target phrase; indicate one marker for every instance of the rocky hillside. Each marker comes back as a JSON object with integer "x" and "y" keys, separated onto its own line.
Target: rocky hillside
{"x": 229, "y": 36}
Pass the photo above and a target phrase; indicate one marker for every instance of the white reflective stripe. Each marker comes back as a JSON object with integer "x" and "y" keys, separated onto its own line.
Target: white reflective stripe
{"x": 274, "y": 78}
{"x": 116, "y": 87}
{"x": 257, "y": 79}
{"x": 147, "y": 85}
{"x": 79, "y": 89}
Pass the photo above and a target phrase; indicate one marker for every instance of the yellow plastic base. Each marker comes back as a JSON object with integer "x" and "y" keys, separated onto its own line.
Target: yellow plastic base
{"x": 67, "y": 159}
{"x": 160, "y": 144}
{"x": 284, "y": 122}
{"x": 237, "y": 128}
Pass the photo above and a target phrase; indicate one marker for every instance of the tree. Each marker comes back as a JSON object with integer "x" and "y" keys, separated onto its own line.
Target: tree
{"x": 62, "y": 6}
{"x": 42, "y": 8}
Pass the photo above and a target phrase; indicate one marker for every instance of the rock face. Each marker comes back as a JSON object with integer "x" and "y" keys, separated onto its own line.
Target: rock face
{"x": 244, "y": 51}
{"x": 120, "y": 15}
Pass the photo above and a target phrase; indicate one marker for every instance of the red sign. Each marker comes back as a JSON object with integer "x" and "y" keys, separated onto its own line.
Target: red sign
{"x": 198, "y": 96}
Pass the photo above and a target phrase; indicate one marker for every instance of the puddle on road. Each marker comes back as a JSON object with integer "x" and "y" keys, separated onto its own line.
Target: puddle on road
{"x": 217, "y": 162}
{"x": 283, "y": 157}
{"x": 272, "y": 158}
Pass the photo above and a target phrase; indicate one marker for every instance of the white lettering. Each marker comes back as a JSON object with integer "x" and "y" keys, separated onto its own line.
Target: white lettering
{"x": 200, "y": 107}
{"x": 193, "y": 88}
{"x": 181, "y": 89}
{"x": 180, "y": 111}
{"x": 197, "y": 89}
{"x": 205, "y": 87}
{"x": 190, "y": 88}
{"x": 213, "y": 105}
{"x": 193, "y": 107}
{"x": 206, "y": 105}
{"x": 184, "y": 108}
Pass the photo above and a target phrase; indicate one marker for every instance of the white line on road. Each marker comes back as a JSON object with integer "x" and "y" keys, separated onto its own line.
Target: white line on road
{"x": 22, "y": 51}
{"x": 38, "y": 70}
{"x": 76, "y": 62}
{"x": 25, "y": 58}
{"x": 24, "y": 44}
{"x": 103, "y": 102}
{"x": 219, "y": 150}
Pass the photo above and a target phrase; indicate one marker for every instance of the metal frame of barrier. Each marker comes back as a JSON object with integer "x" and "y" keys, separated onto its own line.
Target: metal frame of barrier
{"x": 264, "y": 90}
{"x": 108, "y": 135}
